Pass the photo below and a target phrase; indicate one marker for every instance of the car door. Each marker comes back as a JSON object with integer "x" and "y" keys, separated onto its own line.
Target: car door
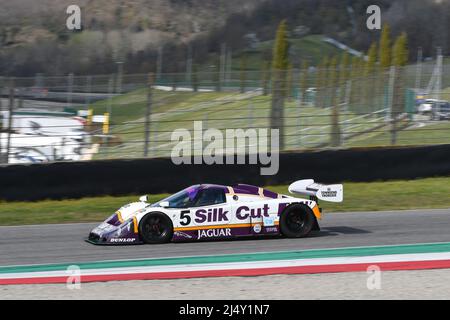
{"x": 210, "y": 208}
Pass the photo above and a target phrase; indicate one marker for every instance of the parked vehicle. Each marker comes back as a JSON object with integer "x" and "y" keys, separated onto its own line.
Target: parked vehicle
{"x": 435, "y": 109}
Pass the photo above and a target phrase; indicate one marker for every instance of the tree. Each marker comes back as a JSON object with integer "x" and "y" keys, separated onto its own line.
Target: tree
{"x": 400, "y": 51}
{"x": 280, "y": 60}
{"x": 280, "y": 64}
{"x": 400, "y": 59}
{"x": 385, "y": 47}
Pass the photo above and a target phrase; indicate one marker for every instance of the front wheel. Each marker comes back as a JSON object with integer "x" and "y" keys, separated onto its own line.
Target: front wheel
{"x": 296, "y": 221}
{"x": 156, "y": 227}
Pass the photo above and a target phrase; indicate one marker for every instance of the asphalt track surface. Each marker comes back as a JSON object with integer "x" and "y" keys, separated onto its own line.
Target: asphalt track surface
{"x": 64, "y": 243}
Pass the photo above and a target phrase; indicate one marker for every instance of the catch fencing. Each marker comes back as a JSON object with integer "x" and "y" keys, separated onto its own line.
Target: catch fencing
{"x": 81, "y": 118}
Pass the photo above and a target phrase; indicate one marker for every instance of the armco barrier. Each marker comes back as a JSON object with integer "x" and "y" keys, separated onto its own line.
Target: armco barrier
{"x": 146, "y": 176}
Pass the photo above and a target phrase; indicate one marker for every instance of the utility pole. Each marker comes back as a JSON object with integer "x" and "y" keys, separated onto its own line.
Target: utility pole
{"x": 148, "y": 113}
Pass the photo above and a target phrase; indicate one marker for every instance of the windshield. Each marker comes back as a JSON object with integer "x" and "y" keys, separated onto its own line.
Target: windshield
{"x": 181, "y": 199}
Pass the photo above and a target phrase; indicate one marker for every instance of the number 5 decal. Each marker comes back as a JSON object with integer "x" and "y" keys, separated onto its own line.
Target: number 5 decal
{"x": 185, "y": 218}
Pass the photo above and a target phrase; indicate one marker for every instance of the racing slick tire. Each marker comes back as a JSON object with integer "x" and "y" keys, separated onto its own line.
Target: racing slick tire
{"x": 297, "y": 221}
{"x": 155, "y": 227}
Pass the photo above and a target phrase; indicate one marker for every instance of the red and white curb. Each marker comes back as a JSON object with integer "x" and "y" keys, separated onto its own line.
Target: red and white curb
{"x": 255, "y": 268}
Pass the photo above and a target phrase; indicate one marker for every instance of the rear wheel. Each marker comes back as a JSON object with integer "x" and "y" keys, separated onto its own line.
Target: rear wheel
{"x": 156, "y": 227}
{"x": 296, "y": 221}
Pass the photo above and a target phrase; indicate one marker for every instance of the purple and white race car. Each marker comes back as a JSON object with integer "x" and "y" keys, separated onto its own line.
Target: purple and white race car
{"x": 209, "y": 211}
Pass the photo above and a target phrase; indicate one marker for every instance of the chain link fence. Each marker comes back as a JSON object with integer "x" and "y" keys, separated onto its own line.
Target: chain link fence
{"x": 80, "y": 118}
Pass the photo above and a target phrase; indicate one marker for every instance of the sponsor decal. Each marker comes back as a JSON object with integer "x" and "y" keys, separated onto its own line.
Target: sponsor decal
{"x": 269, "y": 221}
{"x": 213, "y": 233}
{"x": 271, "y": 229}
{"x": 182, "y": 234}
{"x": 329, "y": 193}
{"x": 211, "y": 215}
{"x": 257, "y": 228}
{"x": 245, "y": 212}
{"x": 123, "y": 240}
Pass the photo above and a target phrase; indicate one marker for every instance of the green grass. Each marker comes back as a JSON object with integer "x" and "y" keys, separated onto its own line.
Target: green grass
{"x": 374, "y": 196}
{"x": 431, "y": 134}
{"x": 310, "y": 48}
{"x": 63, "y": 211}
{"x": 174, "y": 110}
{"x": 132, "y": 106}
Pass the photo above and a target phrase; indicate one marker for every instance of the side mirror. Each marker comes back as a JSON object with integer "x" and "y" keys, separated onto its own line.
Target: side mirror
{"x": 143, "y": 198}
{"x": 164, "y": 204}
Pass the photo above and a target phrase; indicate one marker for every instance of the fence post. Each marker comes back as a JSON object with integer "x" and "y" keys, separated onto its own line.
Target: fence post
{"x": 10, "y": 118}
{"x": 1, "y": 120}
{"x": 277, "y": 104}
{"x": 69, "y": 88}
{"x": 87, "y": 96}
{"x": 154, "y": 140}
{"x": 223, "y": 61}
{"x": 1, "y": 92}
{"x": 20, "y": 98}
{"x": 250, "y": 119}
{"x": 148, "y": 113}
{"x": 194, "y": 78}
{"x": 119, "y": 77}
{"x": 348, "y": 92}
{"x": 334, "y": 101}
{"x": 299, "y": 125}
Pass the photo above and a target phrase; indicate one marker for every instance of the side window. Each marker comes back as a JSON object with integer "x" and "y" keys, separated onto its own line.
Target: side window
{"x": 209, "y": 197}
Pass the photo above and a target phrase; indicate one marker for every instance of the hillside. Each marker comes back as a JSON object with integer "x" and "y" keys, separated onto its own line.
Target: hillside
{"x": 34, "y": 39}
{"x": 33, "y": 30}
{"x": 24, "y": 21}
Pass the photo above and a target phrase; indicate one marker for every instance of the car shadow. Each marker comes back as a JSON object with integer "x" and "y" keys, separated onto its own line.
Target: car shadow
{"x": 336, "y": 231}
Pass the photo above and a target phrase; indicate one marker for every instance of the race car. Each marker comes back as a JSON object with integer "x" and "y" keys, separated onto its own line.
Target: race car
{"x": 210, "y": 211}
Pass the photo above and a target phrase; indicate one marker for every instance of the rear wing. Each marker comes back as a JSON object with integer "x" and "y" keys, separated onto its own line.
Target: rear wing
{"x": 331, "y": 192}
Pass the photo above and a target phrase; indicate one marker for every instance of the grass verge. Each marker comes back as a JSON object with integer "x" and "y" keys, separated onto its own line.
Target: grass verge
{"x": 373, "y": 196}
